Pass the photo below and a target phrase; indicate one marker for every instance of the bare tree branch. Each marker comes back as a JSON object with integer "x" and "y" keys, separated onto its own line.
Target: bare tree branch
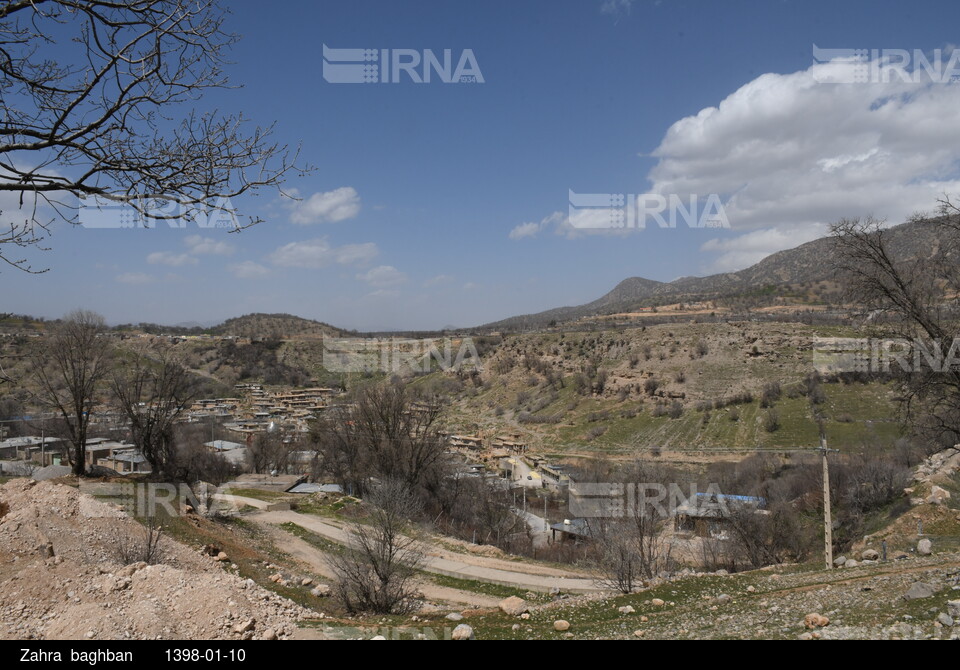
{"x": 95, "y": 100}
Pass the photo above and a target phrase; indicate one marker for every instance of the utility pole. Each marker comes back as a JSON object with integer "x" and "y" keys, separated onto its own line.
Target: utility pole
{"x": 827, "y": 515}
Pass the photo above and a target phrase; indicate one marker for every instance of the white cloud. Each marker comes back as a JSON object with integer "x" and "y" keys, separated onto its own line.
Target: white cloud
{"x": 248, "y": 270}
{"x": 318, "y": 253}
{"x": 616, "y": 6}
{"x": 744, "y": 250}
{"x": 135, "y": 278}
{"x": 383, "y": 276}
{"x": 170, "y": 258}
{"x": 791, "y": 150}
{"x": 356, "y": 254}
{"x": 437, "y": 281}
{"x": 207, "y": 245}
{"x": 337, "y": 205}
{"x": 532, "y": 229}
{"x": 789, "y": 155}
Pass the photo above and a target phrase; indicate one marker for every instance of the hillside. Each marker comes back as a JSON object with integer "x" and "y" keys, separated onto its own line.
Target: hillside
{"x": 794, "y": 272}
{"x": 277, "y": 326}
{"x": 684, "y": 387}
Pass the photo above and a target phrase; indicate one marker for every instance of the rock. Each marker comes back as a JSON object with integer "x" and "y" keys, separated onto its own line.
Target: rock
{"x": 805, "y": 636}
{"x": 953, "y": 608}
{"x": 462, "y": 632}
{"x": 644, "y": 619}
{"x": 515, "y": 627}
{"x": 751, "y": 589}
{"x": 626, "y": 609}
{"x": 850, "y": 564}
{"x": 919, "y": 590}
{"x": 245, "y": 626}
{"x": 513, "y": 606}
{"x": 306, "y": 581}
{"x": 321, "y": 590}
{"x": 525, "y": 616}
{"x": 656, "y": 602}
{"x": 639, "y": 633}
{"x": 869, "y": 555}
{"x": 381, "y": 637}
{"x": 723, "y": 598}
{"x": 839, "y": 561}
{"x": 277, "y": 578}
{"x": 454, "y": 616}
{"x": 131, "y": 570}
{"x": 222, "y": 556}
{"x": 269, "y": 634}
{"x": 814, "y": 620}
{"x": 561, "y": 625}
{"x": 925, "y": 547}
{"x": 945, "y": 620}
{"x": 938, "y": 496}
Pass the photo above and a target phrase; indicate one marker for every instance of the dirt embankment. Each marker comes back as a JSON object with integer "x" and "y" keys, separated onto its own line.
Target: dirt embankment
{"x": 60, "y": 578}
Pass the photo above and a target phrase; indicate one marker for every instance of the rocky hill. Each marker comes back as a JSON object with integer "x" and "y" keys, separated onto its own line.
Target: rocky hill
{"x": 794, "y": 269}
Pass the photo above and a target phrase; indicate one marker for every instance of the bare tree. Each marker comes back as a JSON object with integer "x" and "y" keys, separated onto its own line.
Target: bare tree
{"x": 630, "y": 545}
{"x": 376, "y": 571}
{"x": 90, "y": 92}
{"x": 69, "y": 366}
{"x": 271, "y": 450}
{"x": 385, "y": 433}
{"x": 918, "y": 296}
{"x": 152, "y": 392}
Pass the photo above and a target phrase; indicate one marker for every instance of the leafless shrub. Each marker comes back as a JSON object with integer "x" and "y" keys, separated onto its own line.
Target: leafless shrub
{"x": 144, "y": 542}
{"x": 376, "y": 572}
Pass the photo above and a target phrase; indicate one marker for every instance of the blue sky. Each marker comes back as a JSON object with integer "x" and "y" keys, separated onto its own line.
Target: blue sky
{"x": 446, "y": 204}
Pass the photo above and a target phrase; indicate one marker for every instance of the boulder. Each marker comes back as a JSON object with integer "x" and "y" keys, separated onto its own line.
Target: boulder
{"x": 626, "y": 609}
{"x": 945, "y": 620}
{"x": 938, "y": 496}
{"x": 925, "y": 547}
{"x": 462, "y": 632}
{"x": 321, "y": 590}
{"x": 850, "y": 564}
{"x": 814, "y": 620}
{"x": 513, "y": 606}
{"x": 561, "y": 625}
{"x": 839, "y": 561}
{"x": 919, "y": 590}
{"x": 454, "y": 616}
{"x": 657, "y": 602}
{"x": 869, "y": 555}
{"x": 953, "y": 608}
